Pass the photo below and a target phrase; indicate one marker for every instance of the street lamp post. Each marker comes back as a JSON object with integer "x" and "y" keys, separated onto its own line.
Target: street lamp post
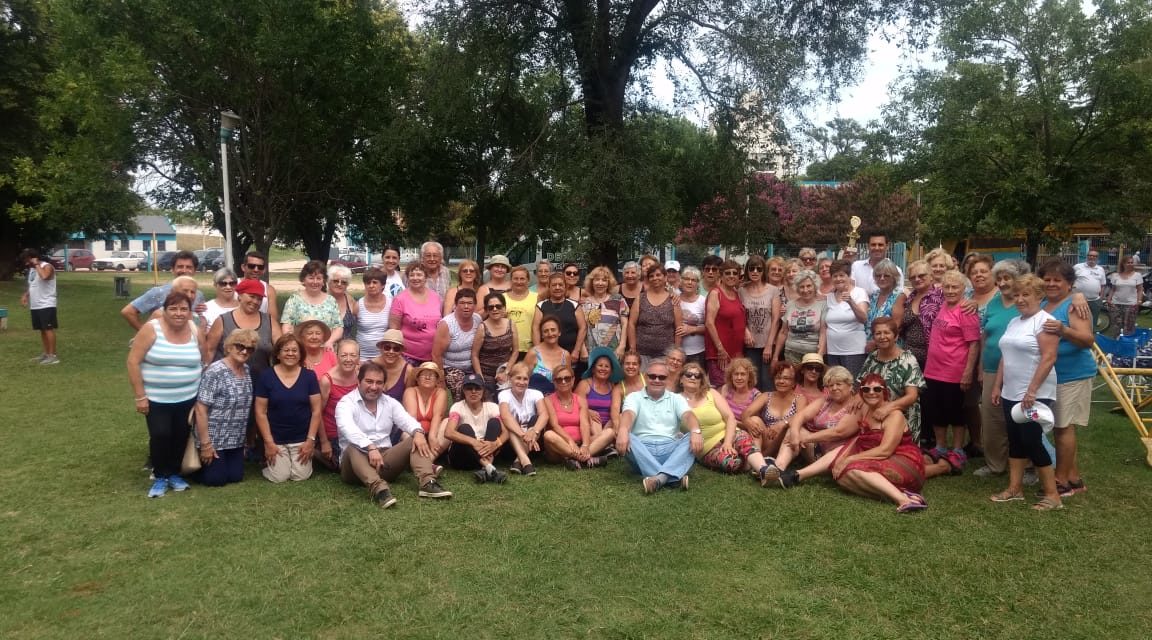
{"x": 229, "y": 122}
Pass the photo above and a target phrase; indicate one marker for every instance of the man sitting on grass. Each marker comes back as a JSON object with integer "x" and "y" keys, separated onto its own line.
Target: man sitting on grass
{"x": 365, "y": 419}
{"x": 653, "y": 416}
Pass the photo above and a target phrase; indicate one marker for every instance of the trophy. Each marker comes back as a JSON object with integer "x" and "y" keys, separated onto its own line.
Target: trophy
{"x": 853, "y": 235}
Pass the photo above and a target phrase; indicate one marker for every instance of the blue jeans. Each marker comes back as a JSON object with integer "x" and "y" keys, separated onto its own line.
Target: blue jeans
{"x": 652, "y": 455}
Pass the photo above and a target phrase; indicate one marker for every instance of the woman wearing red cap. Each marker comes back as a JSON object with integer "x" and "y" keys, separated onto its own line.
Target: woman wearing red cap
{"x": 246, "y": 315}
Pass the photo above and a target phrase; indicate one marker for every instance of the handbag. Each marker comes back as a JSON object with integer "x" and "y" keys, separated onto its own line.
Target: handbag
{"x": 191, "y": 462}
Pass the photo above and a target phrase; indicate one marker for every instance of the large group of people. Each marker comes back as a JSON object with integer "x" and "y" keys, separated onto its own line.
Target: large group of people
{"x": 780, "y": 370}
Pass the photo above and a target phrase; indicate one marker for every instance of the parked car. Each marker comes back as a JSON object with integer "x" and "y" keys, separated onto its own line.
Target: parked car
{"x": 206, "y": 256}
{"x": 122, "y": 261}
{"x": 77, "y": 259}
{"x": 354, "y": 261}
{"x": 164, "y": 262}
{"x": 214, "y": 263}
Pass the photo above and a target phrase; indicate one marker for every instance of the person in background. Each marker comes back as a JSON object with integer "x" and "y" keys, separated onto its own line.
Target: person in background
{"x": 1125, "y": 296}
{"x": 339, "y": 277}
{"x": 762, "y": 314}
{"x": 650, "y": 433}
{"x": 807, "y": 257}
{"x": 287, "y": 413}
{"x": 861, "y": 270}
{"x": 672, "y": 275}
{"x": 632, "y": 382}
{"x": 521, "y": 305}
{"x": 40, "y": 298}
{"x": 367, "y": 418}
{"x": 223, "y": 406}
{"x": 1090, "y": 281}
{"x": 693, "y": 310}
{"x": 468, "y": 277}
{"x": 372, "y": 313}
{"x": 393, "y": 278}
{"x": 675, "y": 359}
{"x": 546, "y": 355}
{"x": 185, "y": 264}
{"x": 312, "y": 302}
{"x": 543, "y": 273}
{"x": 436, "y": 276}
{"x": 978, "y": 269}
{"x": 334, "y": 385}
{"x": 631, "y": 286}
{"x": 939, "y": 262}
{"x": 226, "y": 300}
{"x": 572, "y": 280}
{"x": 710, "y": 267}
{"x": 824, "y": 270}
{"x": 164, "y": 365}
{"x": 811, "y": 384}
{"x": 498, "y": 282}
{"x": 416, "y": 312}
{"x": 255, "y": 268}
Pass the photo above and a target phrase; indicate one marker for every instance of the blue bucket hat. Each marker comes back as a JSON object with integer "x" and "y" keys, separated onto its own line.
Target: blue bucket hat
{"x": 605, "y": 352}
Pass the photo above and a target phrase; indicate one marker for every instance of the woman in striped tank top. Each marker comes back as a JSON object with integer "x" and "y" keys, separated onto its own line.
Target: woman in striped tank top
{"x": 603, "y": 372}
{"x": 164, "y": 367}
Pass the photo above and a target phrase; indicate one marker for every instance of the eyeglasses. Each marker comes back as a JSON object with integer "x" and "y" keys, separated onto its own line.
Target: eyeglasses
{"x": 731, "y": 272}
{"x": 494, "y": 307}
{"x": 335, "y": 281}
{"x": 226, "y": 283}
{"x": 387, "y": 348}
{"x": 693, "y": 375}
{"x": 657, "y": 377}
{"x": 871, "y": 389}
{"x": 571, "y": 273}
{"x": 468, "y": 270}
{"x": 563, "y": 379}
{"x": 243, "y": 348}
{"x": 253, "y": 267}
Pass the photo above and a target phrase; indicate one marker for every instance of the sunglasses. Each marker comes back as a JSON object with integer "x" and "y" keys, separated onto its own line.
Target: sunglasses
{"x": 693, "y": 375}
{"x": 226, "y": 283}
{"x": 710, "y": 269}
{"x": 813, "y": 367}
{"x": 731, "y": 272}
{"x": 755, "y": 269}
{"x": 657, "y": 377}
{"x": 808, "y": 259}
{"x": 494, "y": 307}
{"x": 335, "y": 281}
{"x": 468, "y": 270}
{"x": 571, "y": 273}
{"x": 243, "y": 348}
{"x": 254, "y": 267}
{"x": 563, "y": 379}
{"x": 871, "y": 389}
{"x": 386, "y": 348}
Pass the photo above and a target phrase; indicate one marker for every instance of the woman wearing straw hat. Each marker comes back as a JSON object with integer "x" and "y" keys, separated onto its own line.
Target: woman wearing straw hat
{"x": 391, "y": 348}
{"x": 317, "y": 356}
{"x": 498, "y": 269}
{"x": 426, "y": 399}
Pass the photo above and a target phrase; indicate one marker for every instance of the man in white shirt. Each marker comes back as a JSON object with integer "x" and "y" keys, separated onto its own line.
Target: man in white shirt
{"x": 365, "y": 420}
{"x": 862, "y": 269}
{"x": 1090, "y": 281}
{"x": 40, "y": 298}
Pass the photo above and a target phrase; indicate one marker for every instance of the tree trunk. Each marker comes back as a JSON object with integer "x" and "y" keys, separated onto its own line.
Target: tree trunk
{"x": 1032, "y": 246}
{"x": 603, "y": 252}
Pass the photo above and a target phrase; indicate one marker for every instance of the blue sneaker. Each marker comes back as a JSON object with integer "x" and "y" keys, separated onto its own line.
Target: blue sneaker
{"x": 177, "y": 483}
{"x": 159, "y": 488}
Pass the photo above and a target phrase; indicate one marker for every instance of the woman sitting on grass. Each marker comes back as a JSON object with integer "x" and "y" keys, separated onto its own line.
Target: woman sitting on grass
{"x": 524, "y": 416}
{"x": 334, "y": 385}
{"x": 814, "y": 425}
{"x": 288, "y": 413}
{"x": 739, "y": 388}
{"x": 726, "y": 448}
{"x": 766, "y": 419}
{"x": 569, "y": 436}
{"x": 223, "y": 405}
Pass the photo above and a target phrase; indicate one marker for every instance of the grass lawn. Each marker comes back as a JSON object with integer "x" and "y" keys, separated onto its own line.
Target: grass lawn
{"x": 562, "y": 554}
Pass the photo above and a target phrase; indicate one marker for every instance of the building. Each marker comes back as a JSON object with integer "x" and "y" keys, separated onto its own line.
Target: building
{"x": 148, "y": 228}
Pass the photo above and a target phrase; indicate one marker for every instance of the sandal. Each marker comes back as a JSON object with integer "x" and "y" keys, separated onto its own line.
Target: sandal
{"x": 913, "y": 496}
{"x": 1004, "y": 496}
{"x": 1048, "y": 504}
{"x": 911, "y": 507}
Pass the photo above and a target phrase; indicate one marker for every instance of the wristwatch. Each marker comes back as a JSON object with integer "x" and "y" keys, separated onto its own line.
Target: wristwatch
{"x": 695, "y": 431}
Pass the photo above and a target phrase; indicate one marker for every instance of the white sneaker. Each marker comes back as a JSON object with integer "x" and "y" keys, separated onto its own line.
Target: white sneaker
{"x": 50, "y": 360}
{"x": 39, "y": 358}
{"x": 985, "y": 472}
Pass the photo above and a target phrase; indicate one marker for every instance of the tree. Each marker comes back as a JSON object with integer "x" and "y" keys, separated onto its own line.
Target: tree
{"x": 62, "y": 169}
{"x": 311, "y": 81}
{"x": 845, "y": 148}
{"x": 747, "y": 58}
{"x": 1042, "y": 118}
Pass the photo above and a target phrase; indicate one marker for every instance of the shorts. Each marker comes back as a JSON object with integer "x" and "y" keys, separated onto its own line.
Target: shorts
{"x": 44, "y": 319}
{"x": 1073, "y": 403}
{"x": 942, "y": 405}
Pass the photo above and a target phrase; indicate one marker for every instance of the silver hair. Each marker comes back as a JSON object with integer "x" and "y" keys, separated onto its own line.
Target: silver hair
{"x": 339, "y": 271}
{"x": 889, "y": 267}
{"x": 806, "y": 274}
{"x": 1005, "y": 267}
{"x": 631, "y": 264}
{"x": 221, "y": 273}
{"x": 690, "y": 272}
{"x": 431, "y": 243}
{"x": 656, "y": 361}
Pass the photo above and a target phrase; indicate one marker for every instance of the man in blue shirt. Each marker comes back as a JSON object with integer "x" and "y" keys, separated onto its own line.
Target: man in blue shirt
{"x": 184, "y": 265}
{"x": 651, "y": 436}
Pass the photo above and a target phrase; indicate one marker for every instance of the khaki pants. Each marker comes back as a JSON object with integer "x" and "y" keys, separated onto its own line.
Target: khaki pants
{"x": 355, "y": 468}
{"x": 995, "y": 430}
{"x": 285, "y": 467}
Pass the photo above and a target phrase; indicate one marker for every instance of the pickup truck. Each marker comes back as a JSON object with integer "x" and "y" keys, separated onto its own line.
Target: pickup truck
{"x": 122, "y": 260}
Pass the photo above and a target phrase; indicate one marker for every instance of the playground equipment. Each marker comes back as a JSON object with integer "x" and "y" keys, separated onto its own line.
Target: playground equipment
{"x": 1130, "y": 384}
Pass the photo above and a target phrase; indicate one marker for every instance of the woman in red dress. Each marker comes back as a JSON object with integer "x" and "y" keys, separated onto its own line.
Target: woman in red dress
{"x": 725, "y": 322}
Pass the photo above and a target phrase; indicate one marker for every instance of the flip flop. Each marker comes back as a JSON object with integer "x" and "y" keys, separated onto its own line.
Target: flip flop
{"x": 1048, "y": 504}
{"x": 912, "y": 495}
{"x": 911, "y": 507}
{"x": 1004, "y": 496}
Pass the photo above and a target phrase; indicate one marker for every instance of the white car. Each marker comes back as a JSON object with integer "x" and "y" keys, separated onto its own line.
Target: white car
{"x": 122, "y": 260}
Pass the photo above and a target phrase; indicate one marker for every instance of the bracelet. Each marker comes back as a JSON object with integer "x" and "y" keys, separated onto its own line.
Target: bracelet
{"x": 141, "y": 398}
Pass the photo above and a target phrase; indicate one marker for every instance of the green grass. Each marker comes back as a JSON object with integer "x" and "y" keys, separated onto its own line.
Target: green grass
{"x": 562, "y": 554}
